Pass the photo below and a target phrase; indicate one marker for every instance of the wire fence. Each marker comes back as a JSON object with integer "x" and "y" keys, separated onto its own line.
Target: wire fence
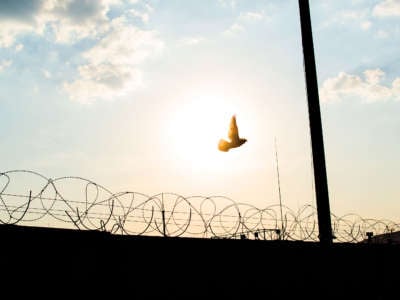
{"x": 29, "y": 198}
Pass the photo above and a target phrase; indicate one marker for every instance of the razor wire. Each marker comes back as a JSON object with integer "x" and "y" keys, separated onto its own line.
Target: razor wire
{"x": 32, "y": 199}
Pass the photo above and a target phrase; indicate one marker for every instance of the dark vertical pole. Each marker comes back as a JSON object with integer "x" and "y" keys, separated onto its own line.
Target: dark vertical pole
{"x": 163, "y": 214}
{"x": 321, "y": 182}
{"x": 163, "y": 222}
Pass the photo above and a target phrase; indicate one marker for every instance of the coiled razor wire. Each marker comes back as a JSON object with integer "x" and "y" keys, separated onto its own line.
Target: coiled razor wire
{"x": 29, "y": 198}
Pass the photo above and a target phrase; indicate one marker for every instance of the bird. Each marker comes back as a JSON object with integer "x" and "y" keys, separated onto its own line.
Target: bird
{"x": 233, "y": 135}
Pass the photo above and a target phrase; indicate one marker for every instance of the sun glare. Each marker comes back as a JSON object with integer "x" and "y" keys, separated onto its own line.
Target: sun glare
{"x": 196, "y": 128}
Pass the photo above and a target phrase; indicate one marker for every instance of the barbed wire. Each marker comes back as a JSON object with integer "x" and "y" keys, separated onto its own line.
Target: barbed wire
{"x": 30, "y": 198}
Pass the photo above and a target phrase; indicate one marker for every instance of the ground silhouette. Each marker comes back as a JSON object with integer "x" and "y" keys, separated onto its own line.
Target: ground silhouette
{"x": 93, "y": 263}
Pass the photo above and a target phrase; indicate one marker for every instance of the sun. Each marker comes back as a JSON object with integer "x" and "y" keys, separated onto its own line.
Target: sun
{"x": 197, "y": 125}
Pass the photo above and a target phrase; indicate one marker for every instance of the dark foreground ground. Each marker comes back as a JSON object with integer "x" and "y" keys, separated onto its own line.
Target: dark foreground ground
{"x": 59, "y": 263}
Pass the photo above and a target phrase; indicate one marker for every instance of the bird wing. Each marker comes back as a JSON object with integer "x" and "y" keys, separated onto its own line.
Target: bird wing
{"x": 233, "y": 132}
{"x": 223, "y": 145}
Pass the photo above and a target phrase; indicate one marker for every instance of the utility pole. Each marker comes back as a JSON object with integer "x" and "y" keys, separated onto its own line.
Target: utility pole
{"x": 314, "y": 113}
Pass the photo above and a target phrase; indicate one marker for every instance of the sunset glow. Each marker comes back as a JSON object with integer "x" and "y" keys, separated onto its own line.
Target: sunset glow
{"x": 196, "y": 128}
{"x": 135, "y": 95}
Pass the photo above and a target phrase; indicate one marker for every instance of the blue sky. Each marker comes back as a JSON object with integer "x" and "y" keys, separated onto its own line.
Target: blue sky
{"x": 135, "y": 94}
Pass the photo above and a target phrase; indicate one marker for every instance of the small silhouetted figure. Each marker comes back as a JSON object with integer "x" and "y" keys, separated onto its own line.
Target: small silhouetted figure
{"x": 233, "y": 135}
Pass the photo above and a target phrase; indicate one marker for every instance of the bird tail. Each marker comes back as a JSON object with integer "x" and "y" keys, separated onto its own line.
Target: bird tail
{"x": 223, "y": 145}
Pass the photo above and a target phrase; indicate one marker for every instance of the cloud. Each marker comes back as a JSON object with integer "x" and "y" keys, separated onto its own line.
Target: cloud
{"x": 112, "y": 67}
{"x": 68, "y": 21}
{"x": 46, "y": 74}
{"x": 10, "y": 30}
{"x": 244, "y": 18}
{"x": 143, "y": 16}
{"x": 227, "y": 3}
{"x": 73, "y": 20}
{"x": 368, "y": 89}
{"x": 387, "y": 8}
{"x": 346, "y": 17}
{"x": 365, "y": 18}
{"x": 190, "y": 41}
{"x": 21, "y": 10}
{"x": 373, "y": 76}
{"x": 234, "y": 30}
{"x": 5, "y": 64}
{"x": 365, "y": 25}
{"x": 251, "y": 16}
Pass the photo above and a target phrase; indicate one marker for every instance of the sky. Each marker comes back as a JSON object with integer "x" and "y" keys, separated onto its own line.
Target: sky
{"x": 135, "y": 95}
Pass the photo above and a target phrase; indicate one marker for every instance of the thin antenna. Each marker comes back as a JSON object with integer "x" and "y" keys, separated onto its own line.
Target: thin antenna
{"x": 279, "y": 183}
{"x": 312, "y": 178}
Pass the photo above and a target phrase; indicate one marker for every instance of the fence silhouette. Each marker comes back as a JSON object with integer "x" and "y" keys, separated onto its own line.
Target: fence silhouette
{"x": 29, "y": 198}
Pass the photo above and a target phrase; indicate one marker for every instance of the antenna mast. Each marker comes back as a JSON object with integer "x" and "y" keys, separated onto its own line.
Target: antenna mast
{"x": 279, "y": 184}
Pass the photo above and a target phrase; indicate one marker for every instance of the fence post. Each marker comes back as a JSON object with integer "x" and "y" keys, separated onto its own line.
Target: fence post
{"x": 163, "y": 214}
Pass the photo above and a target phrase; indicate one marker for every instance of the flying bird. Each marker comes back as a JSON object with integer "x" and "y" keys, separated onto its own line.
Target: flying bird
{"x": 233, "y": 135}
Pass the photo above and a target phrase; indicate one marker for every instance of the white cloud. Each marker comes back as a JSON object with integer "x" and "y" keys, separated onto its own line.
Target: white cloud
{"x": 148, "y": 7}
{"x": 68, "y": 20}
{"x": 10, "y": 29}
{"x": 368, "y": 89}
{"x": 113, "y": 64}
{"x": 46, "y": 74}
{"x": 5, "y": 64}
{"x": 190, "y": 41}
{"x": 346, "y": 17}
{"x": 251, "y": 16}
{"x": 74, "y": 20}
{"x": 387, "y": 8}
{"x": 234, "y": 30}
{"x": 138, "y": 14}
{"x": 364, "y": 17}
{"x": 352, "y": 15}
{"x": 373, "y": 76}
{"x": 365, "y": 25}
{"x": 244, "y": 19}
{"x": 227, "y": 3}
{"x": 89, "y": 90}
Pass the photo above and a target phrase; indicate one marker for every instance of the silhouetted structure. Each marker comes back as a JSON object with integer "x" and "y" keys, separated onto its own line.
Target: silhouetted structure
{"x": 74, "y": 263}
{"x": 317, "y": 142}
{"x": 384, "y": 238}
